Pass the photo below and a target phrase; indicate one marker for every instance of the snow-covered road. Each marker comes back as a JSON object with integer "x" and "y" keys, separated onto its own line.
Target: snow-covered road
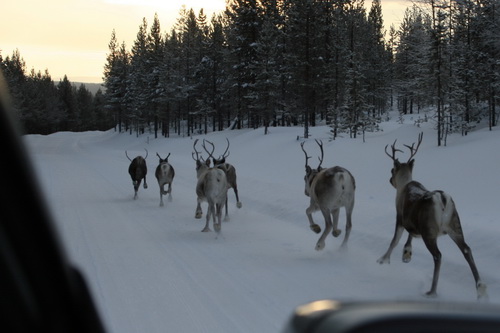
{"x": 150, "y": 268}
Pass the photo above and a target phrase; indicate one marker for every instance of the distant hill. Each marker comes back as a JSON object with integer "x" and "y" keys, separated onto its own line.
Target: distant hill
{"x": 92, "y": 87}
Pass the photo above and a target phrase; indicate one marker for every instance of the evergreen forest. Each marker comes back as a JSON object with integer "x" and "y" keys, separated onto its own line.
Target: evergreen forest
{"x": 263, "y": 63}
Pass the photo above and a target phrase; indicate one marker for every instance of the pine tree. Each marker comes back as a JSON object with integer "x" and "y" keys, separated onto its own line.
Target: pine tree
{"x": 154, "y": 57}
{"x": 189, "y": 32}
{"x": 243, "y": 34}
{"x": 115, "y": 80}
{"x": 137, "y": 82}
{"x": 70, "y": 117}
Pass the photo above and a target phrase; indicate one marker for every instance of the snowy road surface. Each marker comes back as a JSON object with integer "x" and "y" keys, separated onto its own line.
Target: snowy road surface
{"x": 150, "y": 269}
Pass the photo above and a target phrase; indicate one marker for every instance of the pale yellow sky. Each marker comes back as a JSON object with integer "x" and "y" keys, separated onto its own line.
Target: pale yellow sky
{"x": 71, "y": 36}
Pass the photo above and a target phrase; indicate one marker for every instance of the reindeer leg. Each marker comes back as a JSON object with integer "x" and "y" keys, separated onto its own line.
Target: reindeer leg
{"x": 395, "y": 240}
{"x": 226, "y": 217}
{"x": 407, "y": 249}
{"x": 162, "y": 189}
{"x": 161, "y": 199}
{"x": 457, "y": 236}
{"x": 145, "y": 184}
{"x": 136, "y": 188}
{"x": 199, "y": 211}
{"x": 348, "y": 225}
{"x": 169, "y": 192}
{"x": 238, "y": 203}
{"x": 431, "y": 244}
{"x": 335, "y": 219}
{"x": 218, "y": 214}
{"x": 314, "y": 227}
{"x": 328, "y": 227}
{"x": 209, "y": 214}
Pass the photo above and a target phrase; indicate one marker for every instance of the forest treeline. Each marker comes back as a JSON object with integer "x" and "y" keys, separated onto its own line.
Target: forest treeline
{"x": 44, "y": 106}
{"x": 281, "y": 63}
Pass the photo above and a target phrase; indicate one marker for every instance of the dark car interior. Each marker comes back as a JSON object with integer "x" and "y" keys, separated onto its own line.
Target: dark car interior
{"x": 41, "y": 291}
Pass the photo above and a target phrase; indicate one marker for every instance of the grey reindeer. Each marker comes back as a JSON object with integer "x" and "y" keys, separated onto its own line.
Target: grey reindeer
{"x": 426, "y": 214}
{"x": 329, "y": 190}
{"x": 211, "y": 187}
{"x": 137, "y": 171}
{"x": 165, "y": 174}
{"x": 230, "y": 172}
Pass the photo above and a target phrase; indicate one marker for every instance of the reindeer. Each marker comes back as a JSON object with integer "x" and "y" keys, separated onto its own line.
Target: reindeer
{"x": 137, "y": 171}
{"x": 329, "y": 190}
{"x": 165, "y": 175}
{"x": 211, "y": 187}
{"x": 230, "y": 172}
{"x": 426, "y": 214}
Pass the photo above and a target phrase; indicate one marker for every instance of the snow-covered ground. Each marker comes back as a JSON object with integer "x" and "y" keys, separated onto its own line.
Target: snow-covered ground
{"x": 151, "y": 269}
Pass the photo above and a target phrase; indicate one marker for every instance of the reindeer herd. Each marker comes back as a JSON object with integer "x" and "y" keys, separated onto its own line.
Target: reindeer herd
{"x": 422, "y": 213}
{"x": 212, "y": 186}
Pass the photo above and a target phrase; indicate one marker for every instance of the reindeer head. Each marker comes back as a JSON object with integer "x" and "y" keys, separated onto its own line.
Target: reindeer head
{"x": 310, "y": 172}
{"x": 163, "y": 160}
{"x": 201, "y": 164}
{"x": 401, "y": 173}
{"x": 222, "y": 158}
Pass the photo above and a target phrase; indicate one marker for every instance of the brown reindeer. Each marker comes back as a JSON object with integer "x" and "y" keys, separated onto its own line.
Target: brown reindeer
{"x": 230, "y": 172}
{"x": 426, "y": 214}
{"x": 329, "y": 190}
{"x": 211, "y": 187}
{"x": 165, "y": 174}
{"x": 137, "y": 171}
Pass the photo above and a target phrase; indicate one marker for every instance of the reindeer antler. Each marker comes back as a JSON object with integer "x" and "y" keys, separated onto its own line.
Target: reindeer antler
{"x": 166, "y": 158}
{"x": 198, "y": 158}
{"x": 320, "y": 144}
{"x": 413, "y": 151}
{"x": 394, "y": 150}
{"x": 307, "y": 157}
{"x": 227, "y": 148}
{"x": 146, "y": 153}
{"x": 412, "y": 148}
{"x": 204, "y": 147}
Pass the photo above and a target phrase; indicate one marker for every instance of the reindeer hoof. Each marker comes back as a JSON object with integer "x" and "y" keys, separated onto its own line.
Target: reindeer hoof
{"x": 316, "y": 228}
{"x": 481, "y": 291}
{"x": 238, "y": 204}
{"x": 384, "y": 260}
{"x": 406, "y": 256}
{"x": 198, "y": 215}
{"x": 207, "y": 229}
{"x": 217, "y": 227}
{"x": 431, "y": 294}
{"x": 320, "y": 246}
{"x": 336, "y": 233}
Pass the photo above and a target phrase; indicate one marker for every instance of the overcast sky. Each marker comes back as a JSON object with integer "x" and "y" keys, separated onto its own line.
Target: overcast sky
{"x": 71, "y": 36}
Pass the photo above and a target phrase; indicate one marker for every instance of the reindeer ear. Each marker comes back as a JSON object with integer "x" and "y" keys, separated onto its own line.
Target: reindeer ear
{"x": 411, "y": 163}
{"x": 397, "y": 164}
{"x": 308, "y": 169}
